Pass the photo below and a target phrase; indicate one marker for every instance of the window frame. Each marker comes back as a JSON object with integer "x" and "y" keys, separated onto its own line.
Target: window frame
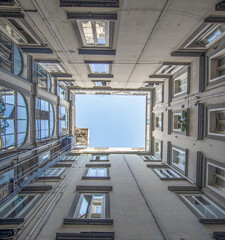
{"x": 157, "y": 116}
{"x": 150, "y": 159}
{"x": 159, "y": 153}
{"x": 216, "y": 190}
{"x": 61, "y": 133}
{"x": 80, "y": 36}
{"x": 11, "y": 59}
{"x": 164, "y": 178}
{"x": 197, "y": 213}
{"x": 86, "y": 175}
{"x": 16, "y": 118}
{"x": 49, "y": 121}
{"x": 99, "y": 160}
{"x": 27, "y": 208}
{"x": 51, "y": 175}
{"x": 176, "y": 77}
{"x": 212, "y": 62}
{"x": 105, "y": 220}
{"x": 175, "y": 166}
{"x": 211, "y": 119}
{"x": 159, "y": 89}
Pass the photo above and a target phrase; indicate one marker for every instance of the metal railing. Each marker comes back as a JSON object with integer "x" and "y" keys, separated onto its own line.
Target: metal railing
{"x": 27, "y": 166}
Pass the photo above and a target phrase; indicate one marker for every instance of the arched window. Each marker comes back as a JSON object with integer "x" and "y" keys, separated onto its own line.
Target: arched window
{"x": 63, "y": 121}
{"x": 44, "y": 119}
{"x": 13, "y": 119}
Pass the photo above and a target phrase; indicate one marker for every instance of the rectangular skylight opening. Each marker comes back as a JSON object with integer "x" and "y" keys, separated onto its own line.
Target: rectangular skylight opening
{"x": 114, "y": 121}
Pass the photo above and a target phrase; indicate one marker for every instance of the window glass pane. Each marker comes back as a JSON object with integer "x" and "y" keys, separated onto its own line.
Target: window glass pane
{"x": 20, "y": 100}
{"x": 211, "y": 208}
{"x": 15, "y": 206}
{"x": 21, "y": 138}
{"x": 10, "y": 127}
{"x": 21, "y": 112}
{"x": 18, "y": 61}
{"x": 86, "y": 200}
{"x": 22, "y": 126}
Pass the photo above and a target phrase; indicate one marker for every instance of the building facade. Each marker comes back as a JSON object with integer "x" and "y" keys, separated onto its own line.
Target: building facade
{"x": 170, "y": 51}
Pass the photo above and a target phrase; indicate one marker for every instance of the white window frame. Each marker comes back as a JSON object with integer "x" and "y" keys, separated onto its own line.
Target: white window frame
{"x": 212, "y": 186}
{"x": 53, "y": 172}
{"x": 204, "y": 206}
{"x": 30, "y": 204}
{"x": 100, "y": 83}
{"x": 213, "y": 67}
{"x": 107, "y": 26}
{"x": 99, "y": 68}
{"x": 212, "y": 120}
{"x": 158, "y": 153}
{"x": 97, "y": 172}
{"x": 78, "y": 207}
{"x": 166, "y": 173}
{"x": 176, "y": 115}
{"x": 159, "y": 94}
{"x": 104, "y": 158}
{"x": 179, "y": 79}
{"x": 173, "y": 160}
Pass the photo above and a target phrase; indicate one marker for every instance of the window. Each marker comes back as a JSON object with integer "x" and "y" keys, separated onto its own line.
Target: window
{"x": 179, "y": 158}
{"x": 180, "y": 84}
{"x": 13, "y": 116}
{"x": 99, "y": 67}
{"x": 100, "y": 158}
{"x": 61, "y": 91}
{"x": 90, "y": 206}
{"x": 94, "y": 33}
{"x": 180, "y": 121}
{"x": 97, "y": 172}
{"x": 159, "y": 121}
{"x": 53, "y": 172}
{"x": 44, "y": 119}
{"x": 63, "y": 121}
{"x": 42, "y": 77}
{"x": 10, "y": 55}
{"x": 158, "y": 149}
{"x": 101, "y": 83}
{"x": 205, "y": 36}
{"x": 18, "y": 205}
{"x": 150, "y": 158}
{"x": 177, "y": 121}
{"x": 216, "y": 67}
{"x": 69, "y": 158}
{"x": 52, "y": 67}
{"x": 159, "y": 94}
{"x": 216, "y": 123}
{"x": 202, "y": 206}
{"x": 166, "y": 173}
{"x": 216, "y": 178}
{"x": 7, "y": 27}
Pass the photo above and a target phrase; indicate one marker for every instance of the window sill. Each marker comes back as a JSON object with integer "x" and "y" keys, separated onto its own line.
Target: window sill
{"x": 11, "y": 221}
{"x": 75, "y": 221}
{"x": 212, "y": 221}
{"x": 95, "y": 178}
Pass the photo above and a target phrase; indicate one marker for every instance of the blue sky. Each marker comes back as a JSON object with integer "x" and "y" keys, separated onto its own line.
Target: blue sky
{"x": 113, "y": 120}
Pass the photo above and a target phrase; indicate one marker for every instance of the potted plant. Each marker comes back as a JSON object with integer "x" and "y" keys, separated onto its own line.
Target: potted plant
{"x": 183, "y": 121}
